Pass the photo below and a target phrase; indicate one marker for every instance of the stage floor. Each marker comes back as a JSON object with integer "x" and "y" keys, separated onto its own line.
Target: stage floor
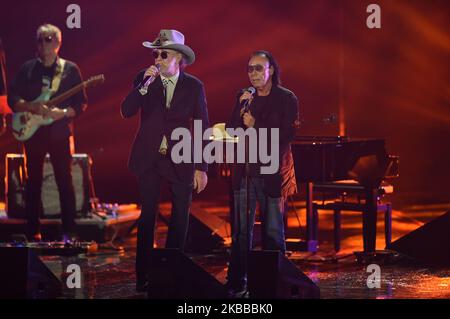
{"x": 110, "y": 274}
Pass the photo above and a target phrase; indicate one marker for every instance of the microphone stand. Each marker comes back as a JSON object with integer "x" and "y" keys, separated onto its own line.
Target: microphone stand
{"x": 247, "y": 203}
{"x": 247, "y": 197}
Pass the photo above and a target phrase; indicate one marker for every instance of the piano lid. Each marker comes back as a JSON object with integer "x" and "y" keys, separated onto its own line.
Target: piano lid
{"x": 332, "y": 158}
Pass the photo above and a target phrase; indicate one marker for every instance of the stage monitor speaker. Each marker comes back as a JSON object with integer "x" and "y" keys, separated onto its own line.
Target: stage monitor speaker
{"x": 15, "y": 183}
{"x": 271, "y": 275}
{"x": 428, "y": 244}
{"x": 173, "y": 275}
{"x": 206, "y": 232}
{"x": 24, "y": 275}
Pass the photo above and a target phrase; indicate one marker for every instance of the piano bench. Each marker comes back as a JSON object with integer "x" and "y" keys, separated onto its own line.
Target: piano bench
{"x": 350, "y": 186}
{"x": 345, "y": 188}
{"x": 337, "y": 207}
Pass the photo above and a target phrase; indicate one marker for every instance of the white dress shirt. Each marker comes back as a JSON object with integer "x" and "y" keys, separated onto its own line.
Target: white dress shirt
{"x": 169, "y": 85}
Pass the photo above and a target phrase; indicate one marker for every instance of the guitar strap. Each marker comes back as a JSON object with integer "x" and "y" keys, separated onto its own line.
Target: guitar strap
{"x": 56, "y": 81}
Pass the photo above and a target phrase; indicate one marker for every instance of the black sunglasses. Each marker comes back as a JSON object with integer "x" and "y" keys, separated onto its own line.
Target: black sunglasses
{"x": 164, "y": 54}
{"x": 257, "y": 68}
{"x": 47, "y": 39}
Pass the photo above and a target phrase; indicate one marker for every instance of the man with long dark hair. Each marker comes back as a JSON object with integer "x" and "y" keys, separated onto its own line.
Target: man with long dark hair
{"x": 271, "y": 107}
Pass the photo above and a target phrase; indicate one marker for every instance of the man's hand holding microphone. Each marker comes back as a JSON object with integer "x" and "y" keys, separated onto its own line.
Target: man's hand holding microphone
{"x": 149, "y": 76}
{"x": 245, "y": 100}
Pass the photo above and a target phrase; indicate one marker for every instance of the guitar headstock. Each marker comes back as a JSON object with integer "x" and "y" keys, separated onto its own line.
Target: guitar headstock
{"x": 95, "y": 80}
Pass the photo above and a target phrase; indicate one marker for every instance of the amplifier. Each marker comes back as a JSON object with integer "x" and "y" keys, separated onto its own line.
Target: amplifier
{"x": 15, "y": 183}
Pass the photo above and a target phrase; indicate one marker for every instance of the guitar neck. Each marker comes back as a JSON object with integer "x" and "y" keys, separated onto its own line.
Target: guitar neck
{"x": 66, "y": 95}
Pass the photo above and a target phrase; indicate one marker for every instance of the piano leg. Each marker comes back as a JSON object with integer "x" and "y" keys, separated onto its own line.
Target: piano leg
{"x": 370, "y": 220}
{"x": 311, "y": 220}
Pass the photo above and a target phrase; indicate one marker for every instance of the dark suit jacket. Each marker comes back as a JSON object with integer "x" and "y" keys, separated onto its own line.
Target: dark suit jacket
{"x": 281, "y": 111}
{"x": 188, "y": 103}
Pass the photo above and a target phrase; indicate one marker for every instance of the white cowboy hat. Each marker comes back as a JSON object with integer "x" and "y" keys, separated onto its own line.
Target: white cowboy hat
{"x": 173, "y": 40}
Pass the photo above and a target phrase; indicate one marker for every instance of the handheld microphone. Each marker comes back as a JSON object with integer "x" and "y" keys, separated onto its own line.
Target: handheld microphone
{"x": 246, "y": 103}
{"x": 144, "y": 88}
{"x": 151, "y": 78}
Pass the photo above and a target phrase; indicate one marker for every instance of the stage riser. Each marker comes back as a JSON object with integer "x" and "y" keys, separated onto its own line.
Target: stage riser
{"x": 100, "y": 231}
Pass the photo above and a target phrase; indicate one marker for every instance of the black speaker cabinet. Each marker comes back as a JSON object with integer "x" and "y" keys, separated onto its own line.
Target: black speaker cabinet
{"x": 271, "y": 275}
{"x": 15, "y": 183}
{"x": 428, "y": 244}
{"x": 24, "y": 275}
{"x": 173, "y": 275}
{"x": 206, "y": 232}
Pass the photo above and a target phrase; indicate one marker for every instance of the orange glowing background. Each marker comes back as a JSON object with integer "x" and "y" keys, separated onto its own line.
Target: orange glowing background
{"x": 391, "y": 83}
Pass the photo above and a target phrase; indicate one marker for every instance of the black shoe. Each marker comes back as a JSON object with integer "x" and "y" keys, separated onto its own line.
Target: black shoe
{"x": 239, "y": 293}
{"x": 237, "y": 290}
{"x": 142, "y": 286}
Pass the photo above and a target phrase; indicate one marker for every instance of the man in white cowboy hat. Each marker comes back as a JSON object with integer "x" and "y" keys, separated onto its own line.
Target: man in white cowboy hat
{"x": 167, "y": 98}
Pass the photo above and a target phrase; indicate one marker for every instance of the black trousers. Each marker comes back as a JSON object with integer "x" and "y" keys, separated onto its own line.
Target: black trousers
{"x": 149, "y": 187}
{"x": 35, "y": 151}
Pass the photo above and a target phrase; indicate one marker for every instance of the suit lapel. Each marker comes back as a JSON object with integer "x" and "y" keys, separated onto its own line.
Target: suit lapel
{"x": 157, "y": 92}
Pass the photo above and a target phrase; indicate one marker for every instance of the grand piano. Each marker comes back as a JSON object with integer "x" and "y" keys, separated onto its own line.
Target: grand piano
{"x": 320, "y": 160}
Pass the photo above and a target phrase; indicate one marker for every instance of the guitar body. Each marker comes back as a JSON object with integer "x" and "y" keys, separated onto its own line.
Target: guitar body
{"x": 25, "y": 124}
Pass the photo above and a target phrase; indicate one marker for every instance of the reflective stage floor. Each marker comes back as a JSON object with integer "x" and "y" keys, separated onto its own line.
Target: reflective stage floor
{"x": 109, "y": 273}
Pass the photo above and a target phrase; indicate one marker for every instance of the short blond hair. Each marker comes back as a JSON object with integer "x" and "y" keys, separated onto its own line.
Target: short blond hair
{"x": 49, "y": 28}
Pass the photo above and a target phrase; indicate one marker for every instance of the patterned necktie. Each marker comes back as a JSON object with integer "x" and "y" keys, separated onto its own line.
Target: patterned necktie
{"x": 165, "y": 83}
{"x": 163, "y": 145}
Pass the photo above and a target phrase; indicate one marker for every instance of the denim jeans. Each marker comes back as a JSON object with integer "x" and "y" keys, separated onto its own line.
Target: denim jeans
{"x": 271, "y": 212}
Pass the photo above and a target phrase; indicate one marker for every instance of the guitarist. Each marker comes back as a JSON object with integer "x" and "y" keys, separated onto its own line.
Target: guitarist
{"x": 48, "y": 72}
